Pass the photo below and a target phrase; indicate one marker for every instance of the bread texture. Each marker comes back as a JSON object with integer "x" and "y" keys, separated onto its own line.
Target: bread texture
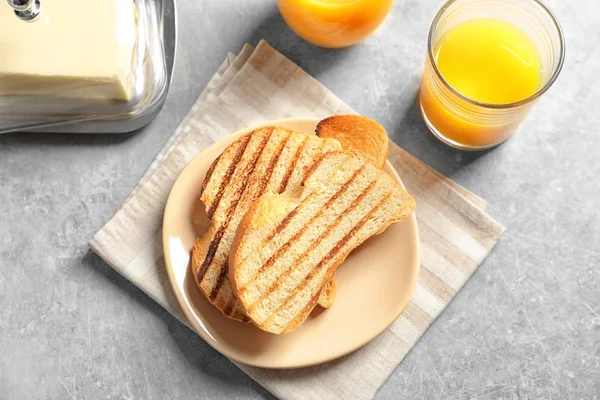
{"x": 327, "y": 295}
{"x": 267, "y": 160}
{"x": 359, "y": 134}
{"x": 288, "y": 246}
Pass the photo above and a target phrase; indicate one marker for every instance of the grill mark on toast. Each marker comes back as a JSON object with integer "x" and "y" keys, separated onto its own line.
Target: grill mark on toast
{"x": 311, "y": 304}
{"x": 209, "y": 173}
{"x": 285, "y": 221}
{"x": 228, "y": 175}
{"x": 310, "y": 169}
{"x": 271, "y": 167}
{"x": 231, "y": 211}
{"x": 307, "y": 309}
{"x": 292, "y": 167}
{"x": 215, "y": 292}
{"x": 332, "y": 253}
{"x": 283, "y": 249}
{"x": 210, "y": 253}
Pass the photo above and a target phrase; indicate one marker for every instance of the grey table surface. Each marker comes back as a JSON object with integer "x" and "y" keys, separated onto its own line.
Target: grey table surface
{"x": 527, "y": 324}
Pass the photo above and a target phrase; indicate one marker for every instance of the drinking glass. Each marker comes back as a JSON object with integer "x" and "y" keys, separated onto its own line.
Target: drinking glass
{"x": 468, "y": 124}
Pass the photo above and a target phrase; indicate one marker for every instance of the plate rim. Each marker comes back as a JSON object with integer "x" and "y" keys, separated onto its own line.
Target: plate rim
{"x": 182, "y": 299}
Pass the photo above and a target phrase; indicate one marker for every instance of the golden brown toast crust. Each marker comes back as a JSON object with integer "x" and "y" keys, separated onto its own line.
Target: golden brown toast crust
{"x": 358, "y": 133}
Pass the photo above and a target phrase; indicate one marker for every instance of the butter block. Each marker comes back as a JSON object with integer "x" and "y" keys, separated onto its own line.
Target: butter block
{"x": 83, "y": 49}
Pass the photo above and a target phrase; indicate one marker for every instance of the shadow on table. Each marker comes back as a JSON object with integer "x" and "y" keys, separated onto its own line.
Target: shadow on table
{"x": 312, "y": 59}
{"x": 409, "y": 131}
{"x": 197, "y": 352}
{"x": 26, "y": 139}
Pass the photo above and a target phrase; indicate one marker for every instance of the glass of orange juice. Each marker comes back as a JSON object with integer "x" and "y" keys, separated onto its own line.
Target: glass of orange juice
{"x": 488, "y": 61}
{"x": 334, "y": 23}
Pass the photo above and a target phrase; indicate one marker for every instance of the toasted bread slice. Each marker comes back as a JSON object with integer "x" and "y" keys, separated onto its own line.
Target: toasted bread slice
{"x": 268, "y": 159}
{"x": 357, "y": 133}
{"x": 289, "y": 245}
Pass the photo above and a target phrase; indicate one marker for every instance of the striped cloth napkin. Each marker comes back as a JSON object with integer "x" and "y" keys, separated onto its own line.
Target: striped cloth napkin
{"x": 257, "y": 86}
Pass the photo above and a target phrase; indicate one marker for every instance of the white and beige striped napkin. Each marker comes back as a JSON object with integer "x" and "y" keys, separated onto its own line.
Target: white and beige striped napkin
{"x": 260, "y": 85}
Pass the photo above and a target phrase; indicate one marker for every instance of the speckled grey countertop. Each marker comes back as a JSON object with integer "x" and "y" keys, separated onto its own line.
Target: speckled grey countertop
{"x": 527, "y": 325}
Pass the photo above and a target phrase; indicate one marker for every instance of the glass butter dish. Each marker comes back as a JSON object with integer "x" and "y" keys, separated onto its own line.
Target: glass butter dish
{"x": 91, "y": 66}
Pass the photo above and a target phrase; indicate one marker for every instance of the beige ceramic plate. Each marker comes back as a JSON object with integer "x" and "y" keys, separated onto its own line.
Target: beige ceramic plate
{"x": 374, "y": 284}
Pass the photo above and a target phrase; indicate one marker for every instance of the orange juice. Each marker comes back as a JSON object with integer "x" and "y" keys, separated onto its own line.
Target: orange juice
{"x": 334, "y": 23}
{"x": 487, "y": 61}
